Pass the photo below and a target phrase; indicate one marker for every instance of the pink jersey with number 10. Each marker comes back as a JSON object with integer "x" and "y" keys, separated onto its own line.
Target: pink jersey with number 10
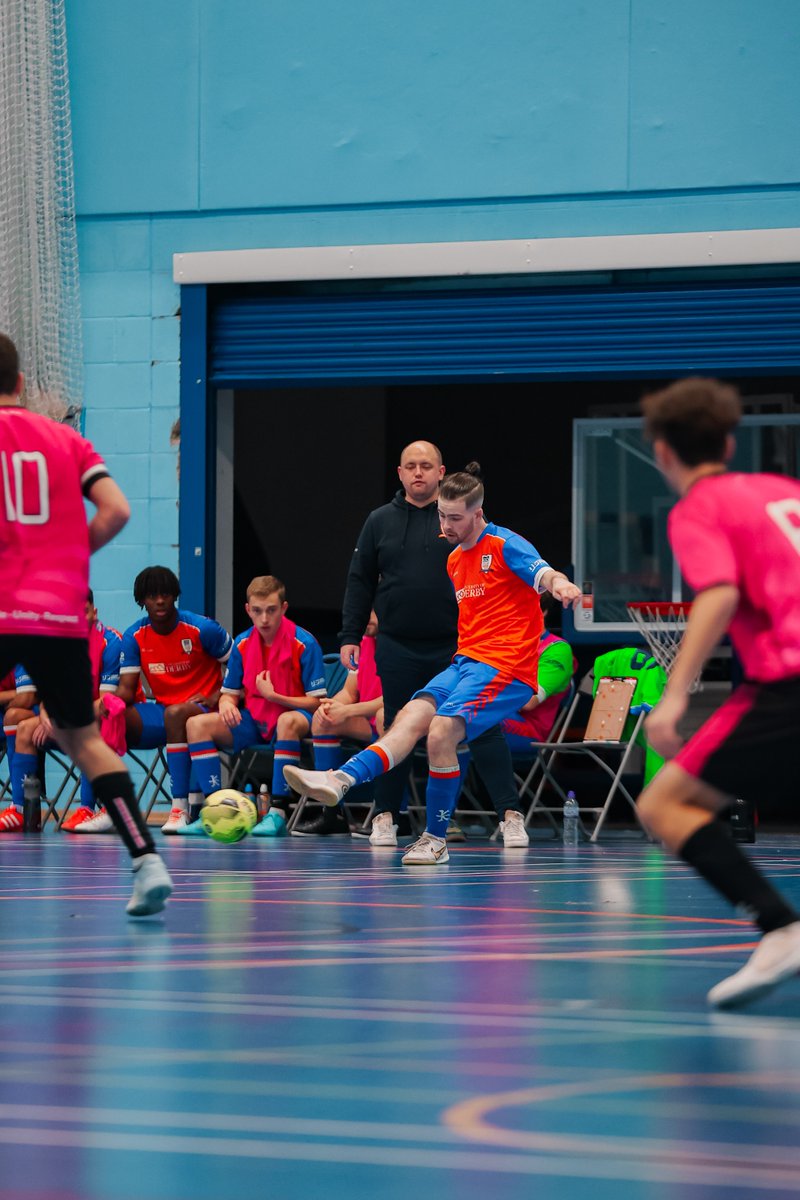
{"x": 46, "y": 469}
{"x": 745, "y": 530}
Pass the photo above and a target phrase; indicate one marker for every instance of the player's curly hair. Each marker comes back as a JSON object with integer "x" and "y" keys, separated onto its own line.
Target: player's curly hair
{"x": 9, "y": 365}
{"x": 694, "y": 417}
{"x": 155, "y": 581}
{"x": 466, "y": 485}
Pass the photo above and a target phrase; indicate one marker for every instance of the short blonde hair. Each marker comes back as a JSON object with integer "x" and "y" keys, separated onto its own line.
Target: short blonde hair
{"x": 266, "y": 585}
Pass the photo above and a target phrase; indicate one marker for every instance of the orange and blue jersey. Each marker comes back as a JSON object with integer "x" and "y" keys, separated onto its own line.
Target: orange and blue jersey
{"x": 497, "y": 584}
{"x": 187, "y": 661}
{"x": 109, "y": 659}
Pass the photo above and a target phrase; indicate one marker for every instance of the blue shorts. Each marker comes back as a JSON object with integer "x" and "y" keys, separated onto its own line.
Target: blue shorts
{"x": 250, "y": 732}
{"x": 477, "y": 693}
{"x": 154, "y": 732}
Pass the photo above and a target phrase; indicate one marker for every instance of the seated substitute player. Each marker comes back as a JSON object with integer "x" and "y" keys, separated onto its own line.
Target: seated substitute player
{"x": 272, "y": 688}
{"x": 355, "y": 713}
{"x": 181, "y": 657}
{"x": 736, "y": 538}
{"x": 497, "y": 576}
{"x": 37, "y": 735}
{"x": 21, "y": 709}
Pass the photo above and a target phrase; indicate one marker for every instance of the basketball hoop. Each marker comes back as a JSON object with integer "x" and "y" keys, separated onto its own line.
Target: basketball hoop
{"x": 662, "y": 624}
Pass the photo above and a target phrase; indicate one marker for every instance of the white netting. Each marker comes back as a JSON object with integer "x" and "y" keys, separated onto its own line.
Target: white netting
{"x": 662, "y": 625}
{"x": 39, "y": 294}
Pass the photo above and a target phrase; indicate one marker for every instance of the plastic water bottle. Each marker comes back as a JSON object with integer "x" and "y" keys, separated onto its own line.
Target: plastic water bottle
{"x": 263, "y": 800}
{"x": 571, "y": 817}
{"x": 31, "y": 804}
{"x": 741, "y": 815}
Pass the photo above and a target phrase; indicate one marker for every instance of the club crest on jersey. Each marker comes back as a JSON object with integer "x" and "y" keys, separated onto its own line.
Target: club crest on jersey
{"x": 186, "y": 645}
{"x": 486, "y": 562}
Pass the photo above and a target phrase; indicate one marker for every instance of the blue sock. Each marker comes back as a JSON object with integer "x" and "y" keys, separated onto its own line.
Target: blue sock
{"x": 87, "y": 794}
{"x": 441, "y": 795}
{"x": 24, "y": 764}
{"x": 286, "y": 754}
{"x": 328, "y": 753}
{"x": 205, "y": 764}
{"x": 464, "y": 759}
{"x": 180, "y": 769}
{"x": 368, "y": 764}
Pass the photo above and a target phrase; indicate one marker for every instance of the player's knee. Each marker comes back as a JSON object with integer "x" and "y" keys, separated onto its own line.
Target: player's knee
{"x": 197, "y": 728}
{"x": 291, "y": 725}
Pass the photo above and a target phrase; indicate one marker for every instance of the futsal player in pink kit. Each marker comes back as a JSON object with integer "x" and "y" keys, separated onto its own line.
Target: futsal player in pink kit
{"x": 736, "y": 538}
{"x": 46, "y": 470}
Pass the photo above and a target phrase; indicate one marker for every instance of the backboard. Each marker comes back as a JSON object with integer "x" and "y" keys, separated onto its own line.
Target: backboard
{"x": 620, "y": 505}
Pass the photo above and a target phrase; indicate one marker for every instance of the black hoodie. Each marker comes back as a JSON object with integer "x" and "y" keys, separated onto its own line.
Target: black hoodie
{"x": 398, "y": 568}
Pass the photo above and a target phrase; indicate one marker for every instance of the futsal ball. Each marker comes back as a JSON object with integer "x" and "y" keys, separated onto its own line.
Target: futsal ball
{"x": 228, "y": 815}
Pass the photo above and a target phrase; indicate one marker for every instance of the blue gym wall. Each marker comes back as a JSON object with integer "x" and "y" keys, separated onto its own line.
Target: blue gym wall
{"x": 222, "y": 124}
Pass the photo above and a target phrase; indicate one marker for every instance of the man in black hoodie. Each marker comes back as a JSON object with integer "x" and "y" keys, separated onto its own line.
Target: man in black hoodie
{"x": 399, "y": 569}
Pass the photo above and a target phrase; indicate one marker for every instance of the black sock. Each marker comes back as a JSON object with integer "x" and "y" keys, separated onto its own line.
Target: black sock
{"x": 114, "y": 793}
{"x": 713, "y": 853}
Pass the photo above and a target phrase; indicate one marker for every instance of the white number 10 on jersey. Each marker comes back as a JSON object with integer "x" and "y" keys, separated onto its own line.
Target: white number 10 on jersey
{"x": 26, "y": 492}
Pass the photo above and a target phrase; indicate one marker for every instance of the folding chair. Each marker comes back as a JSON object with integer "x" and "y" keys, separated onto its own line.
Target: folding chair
{"x": 156, "y": 772}
{"x": 528, "y": 767}
{"x": 5, "y": 784}
{"x": 69, "y": 788}
{"x": 608, "y": 733}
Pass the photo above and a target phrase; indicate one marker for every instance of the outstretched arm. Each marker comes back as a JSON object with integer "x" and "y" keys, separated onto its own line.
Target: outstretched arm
{"x": 557, "y": 583}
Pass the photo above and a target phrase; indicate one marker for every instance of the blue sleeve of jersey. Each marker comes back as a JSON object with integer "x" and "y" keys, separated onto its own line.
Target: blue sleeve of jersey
{"x": 312, "y": 667}
{"x": 215, "y": 640}
{"x": 129, "y": 658}
{"x": 524, "y": 560}
{"x": 22, "y": 680}
{"x": 234, "y": 674}
{"x": 109, "y": 665}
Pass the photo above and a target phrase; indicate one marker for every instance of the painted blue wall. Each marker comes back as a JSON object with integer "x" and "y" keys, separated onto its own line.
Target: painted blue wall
{"x": 203, "y": 124}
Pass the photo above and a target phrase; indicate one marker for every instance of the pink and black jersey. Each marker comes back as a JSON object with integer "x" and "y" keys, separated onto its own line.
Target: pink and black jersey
{"x": 178, "y": 665}
{"x": 745, "y": 530}
{"x": 499, "y": 616}
{"x": 45, "y": 471}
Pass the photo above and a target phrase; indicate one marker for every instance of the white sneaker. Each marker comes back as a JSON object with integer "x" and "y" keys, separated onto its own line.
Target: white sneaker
{"x": 427, "y": 851}
{"x": 326, "y": 786}
{"x": 777, "y": 957}
{"x": 151, "y": 886}
{"x": 384, "y": 831}
{"x": 100, "y": 823}
{"x": 176, "y": 820}
{"x": 515, "y": 835}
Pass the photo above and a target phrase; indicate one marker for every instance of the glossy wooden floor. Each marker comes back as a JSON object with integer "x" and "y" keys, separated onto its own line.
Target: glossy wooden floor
{"x": 312, "y": 1020}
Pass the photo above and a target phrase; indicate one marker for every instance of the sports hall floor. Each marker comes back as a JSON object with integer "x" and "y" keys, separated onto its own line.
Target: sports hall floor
{"x": 312, "y": 1020}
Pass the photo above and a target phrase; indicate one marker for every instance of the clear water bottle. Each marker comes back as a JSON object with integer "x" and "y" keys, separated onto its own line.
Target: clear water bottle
{"x": 263, "y": 800}
{"x": 742, "y": 819}
{"x": 31, "y": 804}
{"x": 571, "y": 818}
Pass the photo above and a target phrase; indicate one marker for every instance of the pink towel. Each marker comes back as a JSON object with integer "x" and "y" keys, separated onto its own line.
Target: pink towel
{"x": 112, "y": 724}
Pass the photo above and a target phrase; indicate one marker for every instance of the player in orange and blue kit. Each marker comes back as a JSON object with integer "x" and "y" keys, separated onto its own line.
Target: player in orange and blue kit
{"x": 497, "y": 576}
{"x": 181, "y": 656}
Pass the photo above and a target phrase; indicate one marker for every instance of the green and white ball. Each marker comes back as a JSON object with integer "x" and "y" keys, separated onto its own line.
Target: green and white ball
{"x": 228, "y": 815}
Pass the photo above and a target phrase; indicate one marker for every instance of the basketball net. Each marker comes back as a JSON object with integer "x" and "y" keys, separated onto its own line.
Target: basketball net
{"x": 662, "y": 624}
